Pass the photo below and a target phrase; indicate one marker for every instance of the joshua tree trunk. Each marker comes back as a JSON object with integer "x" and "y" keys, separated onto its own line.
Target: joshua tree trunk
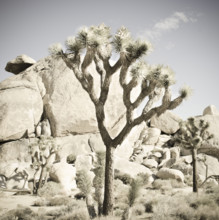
{"x": 194, "y": 156}
{"x": 109, "y": 180}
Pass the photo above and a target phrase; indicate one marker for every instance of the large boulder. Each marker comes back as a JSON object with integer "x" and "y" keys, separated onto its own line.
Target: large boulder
{"x": 79, "y": 144}
{"x": 150, "y": 163}
{"x": 19, "y": 64}
{"x": 206, "y": 163}
{"x": 131, "y": 168}
{"x": 21, "y": 107}
{"x": 14, "y": 152}
{"x": 167, "y": 122}
{"x": 49, "y": 89}
{"x": 64, "y": 174}
{"x": 212, "y": 146}
{"x": 125, "y": 150}
{"x": 166, "y": 173}
{"x": 183, "y": 167}
{"x": 163, "y": 139}
{"x": 151, "y": 136}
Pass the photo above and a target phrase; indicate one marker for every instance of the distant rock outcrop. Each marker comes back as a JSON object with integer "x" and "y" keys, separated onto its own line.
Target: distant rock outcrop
{"x": 19, "y": 64}
{"x": 211, "y": 110}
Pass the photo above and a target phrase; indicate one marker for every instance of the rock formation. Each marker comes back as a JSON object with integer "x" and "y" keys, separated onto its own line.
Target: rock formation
{"x": 45, "y": 98}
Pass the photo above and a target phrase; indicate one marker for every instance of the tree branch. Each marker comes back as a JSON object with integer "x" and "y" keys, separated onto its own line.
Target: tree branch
{"x": 73, "y": 64}
{"x": 146, "y": 91}
{"x": 100, "y": 114}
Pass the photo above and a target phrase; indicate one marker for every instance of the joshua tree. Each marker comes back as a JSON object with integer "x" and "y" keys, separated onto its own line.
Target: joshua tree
{"x": 154, "y": 82}
{"x": 42, "y": 152}
{"x": 192, "y": 134}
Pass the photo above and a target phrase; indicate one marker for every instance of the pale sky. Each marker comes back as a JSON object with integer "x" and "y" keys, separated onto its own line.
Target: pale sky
{"x": 184, "y": 34}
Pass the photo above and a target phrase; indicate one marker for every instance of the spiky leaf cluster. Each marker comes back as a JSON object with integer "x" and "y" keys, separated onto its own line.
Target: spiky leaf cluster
{"x": 73, "y": 45}
{"x": 185, "y": 92}
{"x": 132, "y": 49}
{"x": 139, "y": 70}
{"x": 55, "y": 49}
{"x": 136, "y": 49}
{"x": 163, "y": 75}
{"x": 193, "y": 133}
{"x": 94, "y": 36}
{"x": 121, "y": 40}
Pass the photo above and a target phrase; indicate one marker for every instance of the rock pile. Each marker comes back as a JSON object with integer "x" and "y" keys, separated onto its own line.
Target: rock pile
{"x": 167, "y": 160}
{"x": 45, "y": 98}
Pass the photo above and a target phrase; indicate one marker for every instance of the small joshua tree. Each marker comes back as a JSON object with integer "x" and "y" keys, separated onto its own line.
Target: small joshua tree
{"x": 192, "y": 134}
{"x": 154, "y": 82}
{"x": 84, "y": 183}
{"x": 42, "y": 153}
{"x": 133, "y": 194}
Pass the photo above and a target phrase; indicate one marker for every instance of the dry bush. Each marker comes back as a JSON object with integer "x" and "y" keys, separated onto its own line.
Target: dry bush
{"x": 51, "y": 189}
{"x": 77, "y": 214}
{"x": 74, "y": 208}
{"x": 162, "y": 184}
{"x": 22, "y": 213}
{"x": 176, "y": 183}
{"x": 200, "y": 206}
{"x": 125, "y": 178}
{"x": 53, "y": 201}
{"x": 138, "y": 209}
{"x": 71, "y": 158}
{"x": 107, "y": 218}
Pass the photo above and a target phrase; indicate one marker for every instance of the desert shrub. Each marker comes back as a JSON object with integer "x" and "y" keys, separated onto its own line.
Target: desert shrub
{"x": 51, "y": 189}
{"x": 66, "y": 211}
{"x": 176, "y": 184}
{"x": 120, "y": 190}
{"x": 84, "y": 182}
{"x": 148, "y": 207}
{"x": 200, "y": 206}
{"x": 77, "y": 214}
{"x": 58, "y": 201}
{"x": 71, "y": 158}
{"x": 162, "y": 184}
{"x": 125, "y": 178}
{"x": 144, "y": 177}
{"x": 41, "y": 202}
{"x": 138, "y": 209}
{"x": 188, "y": 180}
{"x": 22, "y": 213}
{"x": 118, "y": 212}
{"x": 53, "y": 201}
{"x": 207, "y": 212}
{"x": 107, "y": 218}
{"x": 149, "y": 199}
